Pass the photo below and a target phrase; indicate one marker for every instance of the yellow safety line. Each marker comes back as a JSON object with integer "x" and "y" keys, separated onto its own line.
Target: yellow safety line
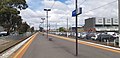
{"x": 85, "y": 43}
{"x": 23, "y": 49}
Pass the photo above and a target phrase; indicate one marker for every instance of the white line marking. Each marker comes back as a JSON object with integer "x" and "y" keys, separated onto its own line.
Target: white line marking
{"x": 101, "y": 45}
{"x": 12, "y": 50}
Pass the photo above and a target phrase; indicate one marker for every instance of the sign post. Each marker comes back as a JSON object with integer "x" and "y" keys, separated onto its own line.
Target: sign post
{"x": 75, "y": 13}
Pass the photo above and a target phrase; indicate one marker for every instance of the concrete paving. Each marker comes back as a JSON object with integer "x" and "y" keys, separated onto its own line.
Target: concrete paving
{"x": 59, "y": 48}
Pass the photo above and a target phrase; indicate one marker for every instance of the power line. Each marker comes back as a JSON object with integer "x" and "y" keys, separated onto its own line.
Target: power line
{"x": 101, "y": 6}
{"x": 82, "y": 2}
{"x": 52, "y": 5}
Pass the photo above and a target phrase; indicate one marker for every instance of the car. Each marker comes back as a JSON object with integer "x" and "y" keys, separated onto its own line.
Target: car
{"x": 79, "y": 35}
{"x": 95, "y": 36}
{"x": 89, "y": 36}
{"x": 74, "y": 34}
{"x": 71, "y": 34}
{"x": 117, "y": 41}
{"x": 116, "y": 37}
{"x": 4, "y": 33}
{"x": 104, "y": 37}
{"x": 83, "y": 35}
{"x": 68, "y": 34}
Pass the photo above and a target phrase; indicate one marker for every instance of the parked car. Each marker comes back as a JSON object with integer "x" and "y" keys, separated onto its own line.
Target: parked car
{"x": 95, "y": 36}
{"x": 56, "y": 33}
{"x": 90, "y": 35}
{"x": 111, "y": 33}
{"x": 116, "y": 37}
{"x": 83, "y": 35}
{"x": 117, "y": 41}
{"x": 68, "y": 33}
{"x": 4, "y": 33}
{"x": 105, "y": 37}
{"x": 79, "y": 35}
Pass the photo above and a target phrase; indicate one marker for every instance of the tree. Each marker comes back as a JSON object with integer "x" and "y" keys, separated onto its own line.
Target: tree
{"x": 18, "y": 4}
{"x": 32, "y": 29}
{"x": 62, "y": 29}
{"x": 9, "y": 13}
{"x": 23, "y": 28}
{"x": 41, "y": 29}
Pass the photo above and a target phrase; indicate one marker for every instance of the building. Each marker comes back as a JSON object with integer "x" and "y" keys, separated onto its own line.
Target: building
{"x": 99, "y": 24}
{"x": 80, "y": 29}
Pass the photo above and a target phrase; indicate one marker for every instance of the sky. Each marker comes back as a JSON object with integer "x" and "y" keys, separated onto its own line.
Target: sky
{"x": 61, "y": 10}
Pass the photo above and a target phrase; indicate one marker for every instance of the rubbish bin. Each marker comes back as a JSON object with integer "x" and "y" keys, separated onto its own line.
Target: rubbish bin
{"x": 50, "y": 39}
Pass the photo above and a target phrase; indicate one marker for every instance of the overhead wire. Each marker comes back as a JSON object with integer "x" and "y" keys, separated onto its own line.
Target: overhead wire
{"x": 96, "y": 7}
{"x": 101, "y": 6}
{"x": 91, "y": 9}
{"x": 53, "y": 4}
{"x": 82, "y": 2}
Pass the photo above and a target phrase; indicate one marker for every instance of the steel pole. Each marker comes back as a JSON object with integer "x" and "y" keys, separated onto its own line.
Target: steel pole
{"x": 76, "y": 30}
{"x": 47, "y": 24}
{"x": 67, "y": 27}
{"x": 119, "y": 19}
{"x": 47, "y": 19}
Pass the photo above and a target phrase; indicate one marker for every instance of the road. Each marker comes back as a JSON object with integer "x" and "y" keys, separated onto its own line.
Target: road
{"x": 59, "y": 48}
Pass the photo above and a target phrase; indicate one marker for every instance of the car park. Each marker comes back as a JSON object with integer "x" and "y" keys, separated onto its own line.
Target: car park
{"x": 83, "y": 35}
{"x": 95, "y": 36}
{"x": 104, "y": 37}
{"x": 90, "y": 35}
{"x": 68, "y": 33}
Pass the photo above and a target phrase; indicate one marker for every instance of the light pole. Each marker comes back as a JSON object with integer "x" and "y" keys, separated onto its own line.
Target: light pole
{"x": 49, "y": 28}
{"x": 67, "y": 27}
{"x": 119, "y": 19}
{"x": 47, "y": 19}
{"x": 56, "y": 27}
{"x": 43, "y": 22}
{"x": 40, "y": 28}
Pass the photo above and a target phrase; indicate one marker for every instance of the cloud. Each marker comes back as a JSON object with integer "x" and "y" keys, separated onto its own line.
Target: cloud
{"x": 62, "y": 10}
{"x": 33, "y": 18}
